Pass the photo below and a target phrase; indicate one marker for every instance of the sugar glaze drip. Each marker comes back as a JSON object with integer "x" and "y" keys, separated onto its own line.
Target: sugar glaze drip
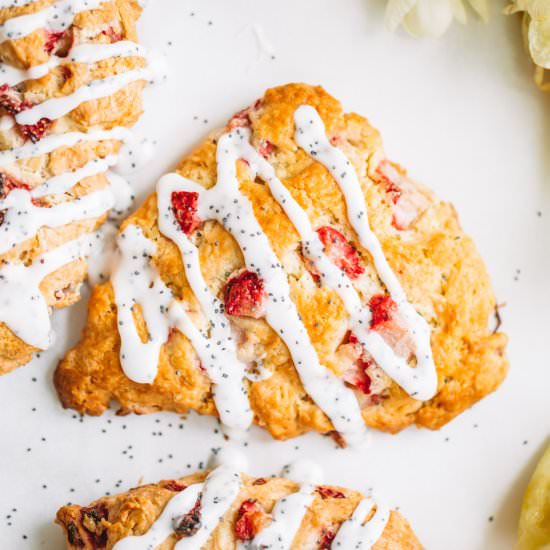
{"x": 21, "y": 299}
{"x": 220, "y": 489}
{"x": 419, "y": 382}
{"x": 22, "y": 219}
{"x": 216, "y": 493}
{"x": 56, "y": 17}
{"x": 80, "y": 53}
{"x": 225, "y": 203}
{"x": 136, "y": 282}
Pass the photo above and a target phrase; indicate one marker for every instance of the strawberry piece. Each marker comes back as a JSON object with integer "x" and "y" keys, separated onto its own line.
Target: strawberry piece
{"x": 51, "y": 39}
{"x": 10, "y": 102}
{"x": 245, "y": 296}
{"x": 7, "y": 183}
{"x": 185, "y": 205}
{"x": 113, "y": 35}
{"x": 190, "y": 523}
{"x": 383, "y": 309}
{"x": 174, "y": 485}
{"x": 389, "y": 176}
{"x": 340, "y": 252}
{"x": 35, "y": 132}
{"x": 327, "y": 536}
{"x": 329, "y": 492}
{"x": 250, "y": 518}
{"x": 357, "y": 376}
{"x": 265, "y": 148}
{"x": 240, "y": 120}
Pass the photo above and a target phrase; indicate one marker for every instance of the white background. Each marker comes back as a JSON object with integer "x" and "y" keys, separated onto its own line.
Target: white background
{"x": 464, "y": 116}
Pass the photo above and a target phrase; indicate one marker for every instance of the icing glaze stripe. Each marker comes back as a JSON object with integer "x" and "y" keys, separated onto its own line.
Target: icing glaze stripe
{"x": 20, "y": 296}
{"x": 216, "y": 494}
{"x": 355, "y": 534}
{"x": 52, "y": 142}
{"x": 81, "y": 53}
{"x": 225, "y": 203}
{"x": 135, "y": 281}
{"x": 96, "y": 89}
{"x": 57, "y": 17}
{"x": 22, "y": 219}
{"x": 287, "y": 514}
{"x": 63, "y": 182}
{"x": 421, "y": 381}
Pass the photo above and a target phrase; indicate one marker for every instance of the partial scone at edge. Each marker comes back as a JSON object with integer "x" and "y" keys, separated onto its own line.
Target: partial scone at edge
{"x": 436, "y": 263}
{"x": 110, "y": 519}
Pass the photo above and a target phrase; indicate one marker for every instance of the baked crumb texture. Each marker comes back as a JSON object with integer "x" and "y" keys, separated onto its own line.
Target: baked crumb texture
{"x": 113, "y": 518}
{"x": 110, "y": 22}
{"x": 437, "y": 265}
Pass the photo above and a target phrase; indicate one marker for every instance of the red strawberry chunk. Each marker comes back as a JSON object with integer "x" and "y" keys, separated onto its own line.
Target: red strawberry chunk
{"x": 389, "y": 176}
{"x": 327, "y": 536}
{"x": 329, "y": 492}
{"x": 383, "y": 309}
{"x": 10, "y": 102}
{"x": 35, "y": 132}
{"x": 51, "y": 39}
{"x": 250, "y": 519}
{"x": 245, "y": 296}
{"x": 265, "y": 148}
{"x": 357, "y": 376}
{"x": 7, "y": 183}
{"x": 340, "y": 252}
{"x": 174, "y": 485}
{"x": 92, "y": 519}
{"x": 240, "y": 120}
{"x": 185, "y": 205}
{"x": 113, "y": 35}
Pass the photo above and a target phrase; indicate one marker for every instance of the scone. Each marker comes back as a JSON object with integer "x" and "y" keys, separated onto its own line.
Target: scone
{"x": 71, "y": 77}
{"x": 290, "y": 275}
{"x": 224, "y": 509}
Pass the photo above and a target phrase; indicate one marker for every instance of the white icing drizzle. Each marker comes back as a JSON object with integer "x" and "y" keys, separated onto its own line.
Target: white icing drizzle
{"x": 420, "y": 381}
{"x": 22, "y": 306}
{"x": 22, "y": 219}
{"x": 287, "y": 515}
{"x": 14, "y": 3}
{"x": 217, "y": 494}
{"x": 63, "y": 182}
{"x": 355, "y": 534}
{"x": 225, "y": 203}
{"x": 135, "y": 281}
{"x": 80, "y": 53}
{"x": 57, "y": 17}
{"x": 54, "y": 141}
{"x": 96, "y": 89}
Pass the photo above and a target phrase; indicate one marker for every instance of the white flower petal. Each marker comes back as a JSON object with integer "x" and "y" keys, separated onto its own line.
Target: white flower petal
{"x": 482, "y": 8}
{"x": 429, "y": 18}
{"x": 539, "y": 41}
{"x": 396, "y": 11}
{"x": 459, "y": 11}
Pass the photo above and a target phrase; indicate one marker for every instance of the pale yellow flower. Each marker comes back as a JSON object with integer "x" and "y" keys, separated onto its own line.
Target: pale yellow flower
{"x": 431, "y": 17}
{"x": 536, "y": 31}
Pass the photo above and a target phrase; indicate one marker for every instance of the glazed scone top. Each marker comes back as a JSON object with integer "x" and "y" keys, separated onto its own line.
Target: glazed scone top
{"x": 224, "y": 508}
{"x": 71, "y": 76}
{"x": 216, "y": 279}
{"x": 270, "y": 291}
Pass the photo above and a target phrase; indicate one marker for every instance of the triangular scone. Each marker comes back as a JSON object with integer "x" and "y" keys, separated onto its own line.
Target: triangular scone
{"x": 185, "y": 513}
{"x": 71, "y": 77}
{"x": 203, "y": 307}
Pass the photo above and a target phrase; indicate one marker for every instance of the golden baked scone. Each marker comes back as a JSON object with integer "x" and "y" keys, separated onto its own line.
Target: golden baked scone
{"x": 71, "y": 77}
{"x": 181, "y": 513}
{"x": 277, "y": 304}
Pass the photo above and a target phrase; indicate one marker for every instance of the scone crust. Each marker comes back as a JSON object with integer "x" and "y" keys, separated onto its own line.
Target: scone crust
{"x": 436, "y": 263}
{"x": 110, "y": 519}
{"x": 115, "y": 19}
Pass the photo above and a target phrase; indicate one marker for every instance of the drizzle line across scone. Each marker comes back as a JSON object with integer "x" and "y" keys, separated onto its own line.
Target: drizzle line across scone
{"x": 225, "y": 509}
{"x": 71, "y": 78}
{"x": 290, "y": 267}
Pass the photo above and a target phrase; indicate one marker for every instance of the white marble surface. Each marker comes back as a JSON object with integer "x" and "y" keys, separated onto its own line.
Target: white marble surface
{"x": 463, "y": 115}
